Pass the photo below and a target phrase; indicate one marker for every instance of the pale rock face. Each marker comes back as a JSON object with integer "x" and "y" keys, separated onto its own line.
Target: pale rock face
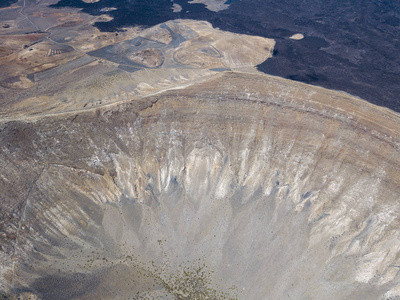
{"x": 213, "y": 5}
{"x": 297, "y": 36}
{"x": 269, "y": 185}
{"x": 176, "y": 8}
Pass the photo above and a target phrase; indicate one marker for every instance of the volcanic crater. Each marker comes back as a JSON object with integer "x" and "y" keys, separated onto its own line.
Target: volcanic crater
{"x": 223, "y": 189}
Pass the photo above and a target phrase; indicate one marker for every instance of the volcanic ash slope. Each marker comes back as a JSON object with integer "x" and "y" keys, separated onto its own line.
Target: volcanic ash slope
{"x": 277, "y": 189}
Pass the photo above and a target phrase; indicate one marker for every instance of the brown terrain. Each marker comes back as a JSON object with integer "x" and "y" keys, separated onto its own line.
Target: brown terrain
{"x": 146, "y": 166}
{"x": 149, "y": 58}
